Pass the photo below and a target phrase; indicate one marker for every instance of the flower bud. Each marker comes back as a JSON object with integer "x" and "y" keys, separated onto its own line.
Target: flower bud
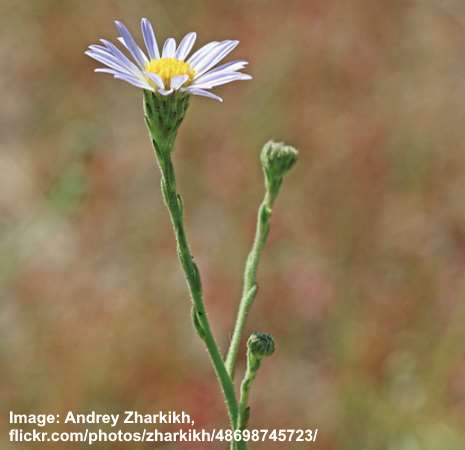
{"x": 277, "y": 158}
{"x": 260, "y": 345}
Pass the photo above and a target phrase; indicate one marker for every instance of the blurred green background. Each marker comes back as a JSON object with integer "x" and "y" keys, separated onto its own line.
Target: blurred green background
{"x": 362, "y": 283}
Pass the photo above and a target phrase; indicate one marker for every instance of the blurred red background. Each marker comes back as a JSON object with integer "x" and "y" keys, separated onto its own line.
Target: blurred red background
{"x": 362, "y": 282}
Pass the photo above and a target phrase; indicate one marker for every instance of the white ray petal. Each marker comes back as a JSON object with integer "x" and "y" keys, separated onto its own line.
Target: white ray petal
{"x": 142, "y": 56}
{"x": 106, "y": 59}
{"x": 185, "y": 46}
{"x": 214, "y": 57}
{"x": 209, "y": 81}
{"x": 169, "y": 49}
{"x": 202, "y": 51}
{"x": 231, "y": 66}
{"x": 131, "y": 44}
{"x": 120, "y": 55}
{"x": 165, "y": 91}
{"x": 156, "y": 79}
{"x": 134, "y": 81}
{"x": 149, "y": 39}
{"x": 203, "y": 93}
{"x": 178, "y": 81}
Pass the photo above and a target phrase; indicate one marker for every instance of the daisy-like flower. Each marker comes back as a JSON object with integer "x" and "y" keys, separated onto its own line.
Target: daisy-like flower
{"x": 170, "y": 70}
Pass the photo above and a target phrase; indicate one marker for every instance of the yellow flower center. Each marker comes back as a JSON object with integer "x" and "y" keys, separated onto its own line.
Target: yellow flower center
{"x": 167, "y": 68}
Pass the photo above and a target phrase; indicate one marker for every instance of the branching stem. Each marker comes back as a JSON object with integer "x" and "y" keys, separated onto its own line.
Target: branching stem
{"x": 173, "y": 202}
{"x": 250, "y": 279}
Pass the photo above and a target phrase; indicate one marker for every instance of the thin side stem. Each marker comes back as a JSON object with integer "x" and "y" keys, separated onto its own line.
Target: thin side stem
{"x": 250, "y": 279}
{"x": 250, "y": 374}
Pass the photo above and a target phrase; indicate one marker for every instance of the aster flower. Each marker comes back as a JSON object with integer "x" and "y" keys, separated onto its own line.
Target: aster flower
{"x": 170, "y": 70}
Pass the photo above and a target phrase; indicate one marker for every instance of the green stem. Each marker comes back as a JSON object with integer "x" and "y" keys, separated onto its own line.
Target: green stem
{"x": 251, "y": 372}
{"x": 174, "y": 204}
{"x": 250, "y": 279}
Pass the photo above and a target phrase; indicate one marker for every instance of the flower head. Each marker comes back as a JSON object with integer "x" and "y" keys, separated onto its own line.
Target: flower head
{"x": 170, "y": 70}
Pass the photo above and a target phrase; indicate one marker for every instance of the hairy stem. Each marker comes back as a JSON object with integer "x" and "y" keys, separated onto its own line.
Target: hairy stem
{"x": 250, "y": 279}
{"x": 174, "y": 204}
{"x": 250, "y": 374}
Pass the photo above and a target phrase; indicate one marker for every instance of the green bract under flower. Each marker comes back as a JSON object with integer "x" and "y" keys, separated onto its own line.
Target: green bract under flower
{"x": 164, "y": 115}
